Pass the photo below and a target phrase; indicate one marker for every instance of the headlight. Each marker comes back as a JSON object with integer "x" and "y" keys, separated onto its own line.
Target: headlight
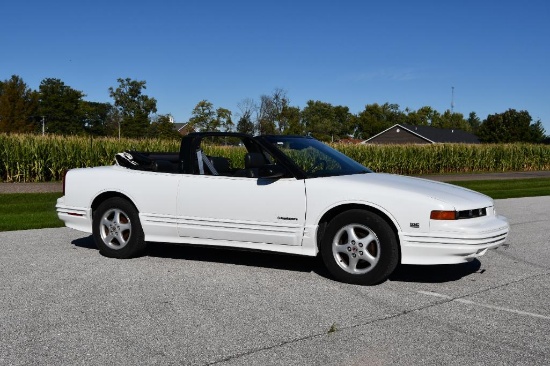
{"x": 458, "y": 215}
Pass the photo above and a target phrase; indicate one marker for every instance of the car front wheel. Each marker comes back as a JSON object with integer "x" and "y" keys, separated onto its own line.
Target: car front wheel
{"x": 117, "y": 230}
{"x": 359, "y": 247}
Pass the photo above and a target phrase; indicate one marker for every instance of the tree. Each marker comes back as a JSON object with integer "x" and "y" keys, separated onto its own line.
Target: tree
{"x": 247, "y": 108}
{"x": 134, "y": 107}
{"x": 474, "y": 122}
{"x": 113, "y": 122}
{"x": 537, "y": 132}
{"x": 245, "y": 124}
{"x": 265, "y": 120}
{"x": 270, "y": 111}
{"x": 425, "y": 116}
{"x": 61, "y": 107}
{"x": 327, "y": 122}
{"x": 510, "y": 126}
{"x": 95, "y": 117}
{"x": 293, "y": 122}
{"x": 223, "y": 119}
{"x": 204, "y": 117}
{"x": 163, "y": 127}
{"x": 376, "y": 118}
{"x": 344, "y": 122}
{"x": 452, "y": 121}
{"x": 18, "y": 106}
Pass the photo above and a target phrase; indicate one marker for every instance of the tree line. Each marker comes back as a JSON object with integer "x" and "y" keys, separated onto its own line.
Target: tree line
{"x": 57, "y": 108}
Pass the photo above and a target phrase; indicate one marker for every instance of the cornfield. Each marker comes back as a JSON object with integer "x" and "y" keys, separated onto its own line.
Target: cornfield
{"x": 31, "y": 158}
{"x": 450, "y": 158}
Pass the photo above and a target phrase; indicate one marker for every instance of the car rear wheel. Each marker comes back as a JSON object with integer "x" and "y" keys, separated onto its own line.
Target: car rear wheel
{"x": 360, "y": 247}
{"x": 117, "y": 230}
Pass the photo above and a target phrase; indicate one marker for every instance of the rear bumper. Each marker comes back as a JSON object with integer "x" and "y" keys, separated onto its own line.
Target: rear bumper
{"x": 78, "y": 218}
{"x": 452, "y": 247}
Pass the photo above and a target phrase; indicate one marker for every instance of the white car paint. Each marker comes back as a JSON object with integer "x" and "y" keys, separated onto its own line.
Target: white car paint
{"x": 284, "y": 214}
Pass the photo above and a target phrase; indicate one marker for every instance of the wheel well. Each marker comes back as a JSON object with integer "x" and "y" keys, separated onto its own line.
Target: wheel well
{"x": 335, "y": 211}
{"x": 105, "y": 196}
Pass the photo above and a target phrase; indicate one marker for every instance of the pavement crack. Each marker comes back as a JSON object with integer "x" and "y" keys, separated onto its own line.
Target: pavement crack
{"x": 444, "y": 299}
{"x": 323, "y": 334}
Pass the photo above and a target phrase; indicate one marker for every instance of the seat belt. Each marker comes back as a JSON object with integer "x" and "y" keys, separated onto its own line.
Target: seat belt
{"x": 199, "y": 160}
{"x": 202, "y": 159}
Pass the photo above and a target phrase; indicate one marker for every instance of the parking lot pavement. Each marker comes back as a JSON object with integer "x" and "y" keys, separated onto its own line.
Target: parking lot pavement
{"x": 63, "y": 303}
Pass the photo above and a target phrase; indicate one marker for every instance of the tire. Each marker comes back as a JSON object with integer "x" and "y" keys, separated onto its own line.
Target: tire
{"x": 117, "y": 230}
{"x": 359, "y": 247}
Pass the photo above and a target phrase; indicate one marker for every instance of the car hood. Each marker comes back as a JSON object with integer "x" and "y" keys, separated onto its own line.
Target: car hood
{"x": 403, "y": 186}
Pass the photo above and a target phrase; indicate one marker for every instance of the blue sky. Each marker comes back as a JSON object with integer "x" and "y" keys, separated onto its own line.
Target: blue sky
{"x": 494, "y": 53}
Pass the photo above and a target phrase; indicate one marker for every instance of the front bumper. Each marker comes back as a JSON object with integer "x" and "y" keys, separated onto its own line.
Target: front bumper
{"x": 453, "y": 246}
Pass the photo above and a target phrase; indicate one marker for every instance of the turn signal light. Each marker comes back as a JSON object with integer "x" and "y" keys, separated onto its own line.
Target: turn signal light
{"x": 443, "y": 215}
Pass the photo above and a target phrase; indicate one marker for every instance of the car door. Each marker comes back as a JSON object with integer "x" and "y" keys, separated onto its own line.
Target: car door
{"x": 240, "y": 208}
{"x": 270, "y": 211}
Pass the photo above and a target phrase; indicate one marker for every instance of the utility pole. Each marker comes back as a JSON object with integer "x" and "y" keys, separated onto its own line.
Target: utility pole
{"x": 43, "y": 126}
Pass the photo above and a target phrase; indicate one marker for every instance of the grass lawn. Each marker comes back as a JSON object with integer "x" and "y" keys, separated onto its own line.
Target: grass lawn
{"x": 22, "y": 211}
{"x": 509, "y": 188}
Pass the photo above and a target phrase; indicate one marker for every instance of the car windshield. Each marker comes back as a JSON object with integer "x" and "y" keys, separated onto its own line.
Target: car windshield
{"x": 315, "y": 158}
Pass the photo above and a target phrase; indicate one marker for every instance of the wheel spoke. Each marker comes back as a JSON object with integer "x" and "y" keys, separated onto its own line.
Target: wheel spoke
{"x": 118, "y": 215}
{"x": 341, "y": 248}
{"x": 367, "y": 239}
{"x": 124, "y": 227}
{"x": 109, "y": 239}
{"x": 352, "y": 236}
{"x": 106, "y": 222}
{"x": 352, "y": 266}
{"x": 369, "y": 258}
{"x": 121, "y": 239}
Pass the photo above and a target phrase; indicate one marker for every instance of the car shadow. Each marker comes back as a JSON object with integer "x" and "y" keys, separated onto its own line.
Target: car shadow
{"x": 281, "y": 261}
{"x": 237, "y": 257}
{"x": 85, "y": 242}
{"x": 227, "y": 256}
{"x": 435, "y": 273}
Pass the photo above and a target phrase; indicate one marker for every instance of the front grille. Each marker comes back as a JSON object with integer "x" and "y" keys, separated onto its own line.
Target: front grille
{"x": 470, "y": 214}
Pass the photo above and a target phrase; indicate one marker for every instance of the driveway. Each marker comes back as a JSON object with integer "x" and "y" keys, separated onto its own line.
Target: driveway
{"x": 63, "y": 303}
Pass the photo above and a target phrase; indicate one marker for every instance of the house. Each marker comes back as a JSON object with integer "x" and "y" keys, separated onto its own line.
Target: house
{"x": 407, "y": 134}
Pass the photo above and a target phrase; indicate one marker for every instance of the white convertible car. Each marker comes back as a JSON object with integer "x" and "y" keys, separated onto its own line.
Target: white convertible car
{"x": 285, "y": 194}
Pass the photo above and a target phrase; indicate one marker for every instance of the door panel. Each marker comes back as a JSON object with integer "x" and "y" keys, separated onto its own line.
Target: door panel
{"x": 242, "y": 209}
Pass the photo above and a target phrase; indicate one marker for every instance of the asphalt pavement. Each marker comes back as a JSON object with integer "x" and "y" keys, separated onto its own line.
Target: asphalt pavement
{"x": 63, "y": 303}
